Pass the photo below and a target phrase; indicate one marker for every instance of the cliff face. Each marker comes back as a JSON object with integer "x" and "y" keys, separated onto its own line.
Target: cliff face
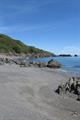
{"x": 12, "y": 46}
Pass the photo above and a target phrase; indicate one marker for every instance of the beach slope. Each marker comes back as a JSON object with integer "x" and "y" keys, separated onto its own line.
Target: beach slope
{"x": 29, "y": 94}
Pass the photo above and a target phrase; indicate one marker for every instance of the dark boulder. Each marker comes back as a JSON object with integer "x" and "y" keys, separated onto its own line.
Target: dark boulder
{"x": 53, "y": 64}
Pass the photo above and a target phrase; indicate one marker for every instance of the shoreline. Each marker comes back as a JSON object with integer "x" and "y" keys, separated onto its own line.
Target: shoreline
{"x": 13, "y": 57}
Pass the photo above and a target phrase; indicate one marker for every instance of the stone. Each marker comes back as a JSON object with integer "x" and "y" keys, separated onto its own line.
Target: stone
{"x": 53, "y": 64}
{"x": 39, "y": 64}
{"x": 72, "y": 87}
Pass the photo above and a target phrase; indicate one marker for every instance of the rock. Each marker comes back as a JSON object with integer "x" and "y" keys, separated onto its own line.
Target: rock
{"x": 2, "y": 61}
{"x": 72, "y": 87}
{"x": 53, "y": 64}
{"x": 24, "y": 63}
{"x": 39, "y": 64}
{"x": 75, "y": 55}
{"x": 5, "y": 61}
{"x": 78, "y": 91}
{"x": 65, "y": 55}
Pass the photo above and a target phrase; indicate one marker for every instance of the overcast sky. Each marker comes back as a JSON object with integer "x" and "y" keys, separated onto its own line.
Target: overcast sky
{"x": 53, "y": 25}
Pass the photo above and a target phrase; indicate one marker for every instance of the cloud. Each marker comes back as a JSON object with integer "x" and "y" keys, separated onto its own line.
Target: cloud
{"x": 21, "y": 28}
{"x": 11, "y": 10}
{"x": 71, "y": 50}
{"x": 22, "y": 6}
{"x": 4, "y": 29}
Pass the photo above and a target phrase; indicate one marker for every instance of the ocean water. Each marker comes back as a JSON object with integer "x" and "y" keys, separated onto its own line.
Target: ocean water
{"x": 69, "y": 64}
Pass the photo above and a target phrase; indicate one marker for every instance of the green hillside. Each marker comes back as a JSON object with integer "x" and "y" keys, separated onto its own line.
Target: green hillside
{"x": 10, "y": 45}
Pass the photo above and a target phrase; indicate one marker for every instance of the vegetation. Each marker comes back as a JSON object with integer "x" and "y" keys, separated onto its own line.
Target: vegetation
{"x": 9, "y": 45}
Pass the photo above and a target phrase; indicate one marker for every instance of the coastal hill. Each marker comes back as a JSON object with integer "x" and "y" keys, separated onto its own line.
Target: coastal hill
{"x": 11, "y": 46}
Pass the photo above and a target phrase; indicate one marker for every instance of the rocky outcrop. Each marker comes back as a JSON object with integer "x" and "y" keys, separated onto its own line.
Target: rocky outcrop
{"x": 70, "y": 88}
{"x": 6, "y": 61}
{"x": 39, "y": 64}
{"x": 50, "y": 64}
{"x": 53, "y": 64}
{"x": 26, "y": 63}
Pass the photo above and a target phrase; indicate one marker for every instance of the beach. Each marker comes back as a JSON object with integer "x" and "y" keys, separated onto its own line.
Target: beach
{"x": 28, "y": 93}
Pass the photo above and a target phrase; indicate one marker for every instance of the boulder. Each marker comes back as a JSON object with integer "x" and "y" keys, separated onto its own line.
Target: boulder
{"x": 24, "y": 63}
{"x": 42, "y": 64}
{"x": 70, "y": 88}
{"x": 39, "y": 64}
{"x": 1, "y": 61}
{"x": 53, "y": 64}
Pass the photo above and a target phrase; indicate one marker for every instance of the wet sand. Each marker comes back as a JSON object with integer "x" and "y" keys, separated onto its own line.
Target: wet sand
{"x": 29, "y": 94}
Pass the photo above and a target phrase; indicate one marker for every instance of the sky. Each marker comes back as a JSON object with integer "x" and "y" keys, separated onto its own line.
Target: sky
{"x": 52, "y": 25}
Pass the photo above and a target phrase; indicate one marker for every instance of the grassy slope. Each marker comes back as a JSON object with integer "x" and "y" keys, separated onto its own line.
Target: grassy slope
{"x": 9, "y": 45}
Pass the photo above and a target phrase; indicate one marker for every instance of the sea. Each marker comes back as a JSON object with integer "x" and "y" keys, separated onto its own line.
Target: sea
{"x": 69, "y": 64}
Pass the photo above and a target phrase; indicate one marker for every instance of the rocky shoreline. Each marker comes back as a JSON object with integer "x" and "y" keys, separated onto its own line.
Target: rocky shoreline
{"x": 23, "y": 62}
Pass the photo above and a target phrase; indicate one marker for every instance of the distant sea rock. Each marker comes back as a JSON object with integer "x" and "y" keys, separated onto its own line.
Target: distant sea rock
{"x": 75, "y": 55}
{"x": 65, "y": 55}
